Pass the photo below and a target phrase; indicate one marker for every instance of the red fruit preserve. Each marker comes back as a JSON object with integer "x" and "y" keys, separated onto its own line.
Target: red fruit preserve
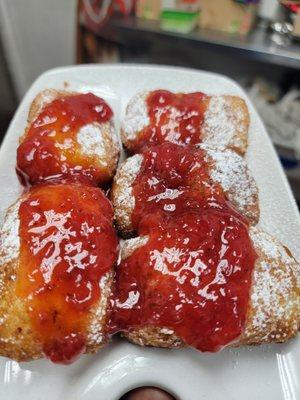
{"x": 174, "y": 117}
{"x": 173, "y": 178}
{"x": 192, "y": 276}
{"x": 67, "y": 244}
{"x": 51, "y": 149}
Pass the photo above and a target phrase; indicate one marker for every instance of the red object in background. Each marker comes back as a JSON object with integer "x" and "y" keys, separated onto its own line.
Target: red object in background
{"x": 293, "y": 6}
{"x": 95, "y": 12}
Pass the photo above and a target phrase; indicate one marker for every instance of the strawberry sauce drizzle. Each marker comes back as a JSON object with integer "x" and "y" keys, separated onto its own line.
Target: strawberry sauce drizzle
{"x": 174, "y": 117}
{"x": 192, "y": 276}
{"x": 67, "y": 244}
{"x": 50, "y": 149}
{"x": 174, "y": 178}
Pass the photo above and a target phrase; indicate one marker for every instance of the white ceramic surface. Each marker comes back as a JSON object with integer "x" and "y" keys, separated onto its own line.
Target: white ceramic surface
{"x": 258, "y": 373}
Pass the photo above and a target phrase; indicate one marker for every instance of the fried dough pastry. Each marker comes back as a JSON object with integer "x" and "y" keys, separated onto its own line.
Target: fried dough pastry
{"x": 155, "y": 117}
{"x": 170, "y": 177}
{"x": 197, "y": 283}
{"x": 58, "y": 251}
{"x": 69, "y": 136}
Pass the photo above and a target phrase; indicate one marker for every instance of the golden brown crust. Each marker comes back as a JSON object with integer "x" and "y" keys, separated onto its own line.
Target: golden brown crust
{"x": 251, "y": 211}
{"x": 136, "y": 118}
{"x": 155, "y": 337}
{"x": 274, "y": 305}
{"x": 239, "y": 107}
{"x": 42, "y": 99}
{"x": 17, "y": 337}
{"x": 96, "y": 333}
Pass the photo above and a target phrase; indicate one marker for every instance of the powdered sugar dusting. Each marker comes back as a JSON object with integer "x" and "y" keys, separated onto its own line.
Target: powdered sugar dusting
{"x": 113, "y": 135}
{"x": 130, "y": 245}
{"x": 230, "y": 170}
{"x": 225, "y": 121}
{"x": 95, "y": 331}
{"x": 136, "y": 117}
{"x": 275, "y": 297}
{"x": 167, "y": 194}
{"x": 170, "y": 129}
{"x": 167, "y": 331}
{"x": 223, "y": 125}
{"x": 133, "y": 298}
{"x": 91, "y": 140}
{"x": 9, "y": 235}
{"x": 123, "y": 199}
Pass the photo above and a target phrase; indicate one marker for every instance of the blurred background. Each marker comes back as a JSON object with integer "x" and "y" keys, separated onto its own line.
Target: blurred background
{"x": 254, "y": 42}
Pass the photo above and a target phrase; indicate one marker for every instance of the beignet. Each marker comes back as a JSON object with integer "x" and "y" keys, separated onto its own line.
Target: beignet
{"x": 58, "y": 251}
{"x": 155, "y": 117}
{"x": 170, "y": 177}
{"x": 204, "y": 280}
{"x": 69, "y": 135}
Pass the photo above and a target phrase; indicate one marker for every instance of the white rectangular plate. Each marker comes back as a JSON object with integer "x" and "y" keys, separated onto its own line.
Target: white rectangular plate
{"x": 260, "y": 373}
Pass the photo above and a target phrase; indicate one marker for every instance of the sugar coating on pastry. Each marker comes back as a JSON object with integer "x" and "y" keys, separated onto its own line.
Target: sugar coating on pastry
{"x": 96, "y": 334}
{"x": 275, "y": 301}
{"x": 9, "y": 235}
{"x": 94, "y": 141}
{"x": 130, "y": 245}
{"x": 226, "y": 168}
{"x": 230, "y": 170}
{"x": 274, "y": 304}
{"x": 122, "y": 196}
{"x": 225, "y": 122}
{"x": 90, "y": 141}
{"x": 136, "y": 117}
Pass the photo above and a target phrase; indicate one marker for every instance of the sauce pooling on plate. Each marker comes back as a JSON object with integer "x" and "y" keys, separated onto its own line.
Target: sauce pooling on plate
{"x": 65, "y": 141}
{"x": 192, "y": 275}
{"x": 67, "y": 244}
{"x": 174, "y": 117}
{"x": 173, "y": 178}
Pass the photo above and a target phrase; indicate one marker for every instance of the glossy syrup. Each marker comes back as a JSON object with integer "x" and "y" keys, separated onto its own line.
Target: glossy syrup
{"x": 67, "y": 244}
{"x": 174, "y": 117}
{"x": 174, "y": 178}
{"x": 193, "y": 276}
{"x": 50, "y": 149}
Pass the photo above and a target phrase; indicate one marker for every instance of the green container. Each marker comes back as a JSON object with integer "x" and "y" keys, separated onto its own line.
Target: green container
{"x": 179, "y": 21}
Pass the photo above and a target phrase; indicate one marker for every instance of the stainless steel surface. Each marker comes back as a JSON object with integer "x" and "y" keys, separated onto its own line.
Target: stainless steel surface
{"x": 133, "y": 32}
